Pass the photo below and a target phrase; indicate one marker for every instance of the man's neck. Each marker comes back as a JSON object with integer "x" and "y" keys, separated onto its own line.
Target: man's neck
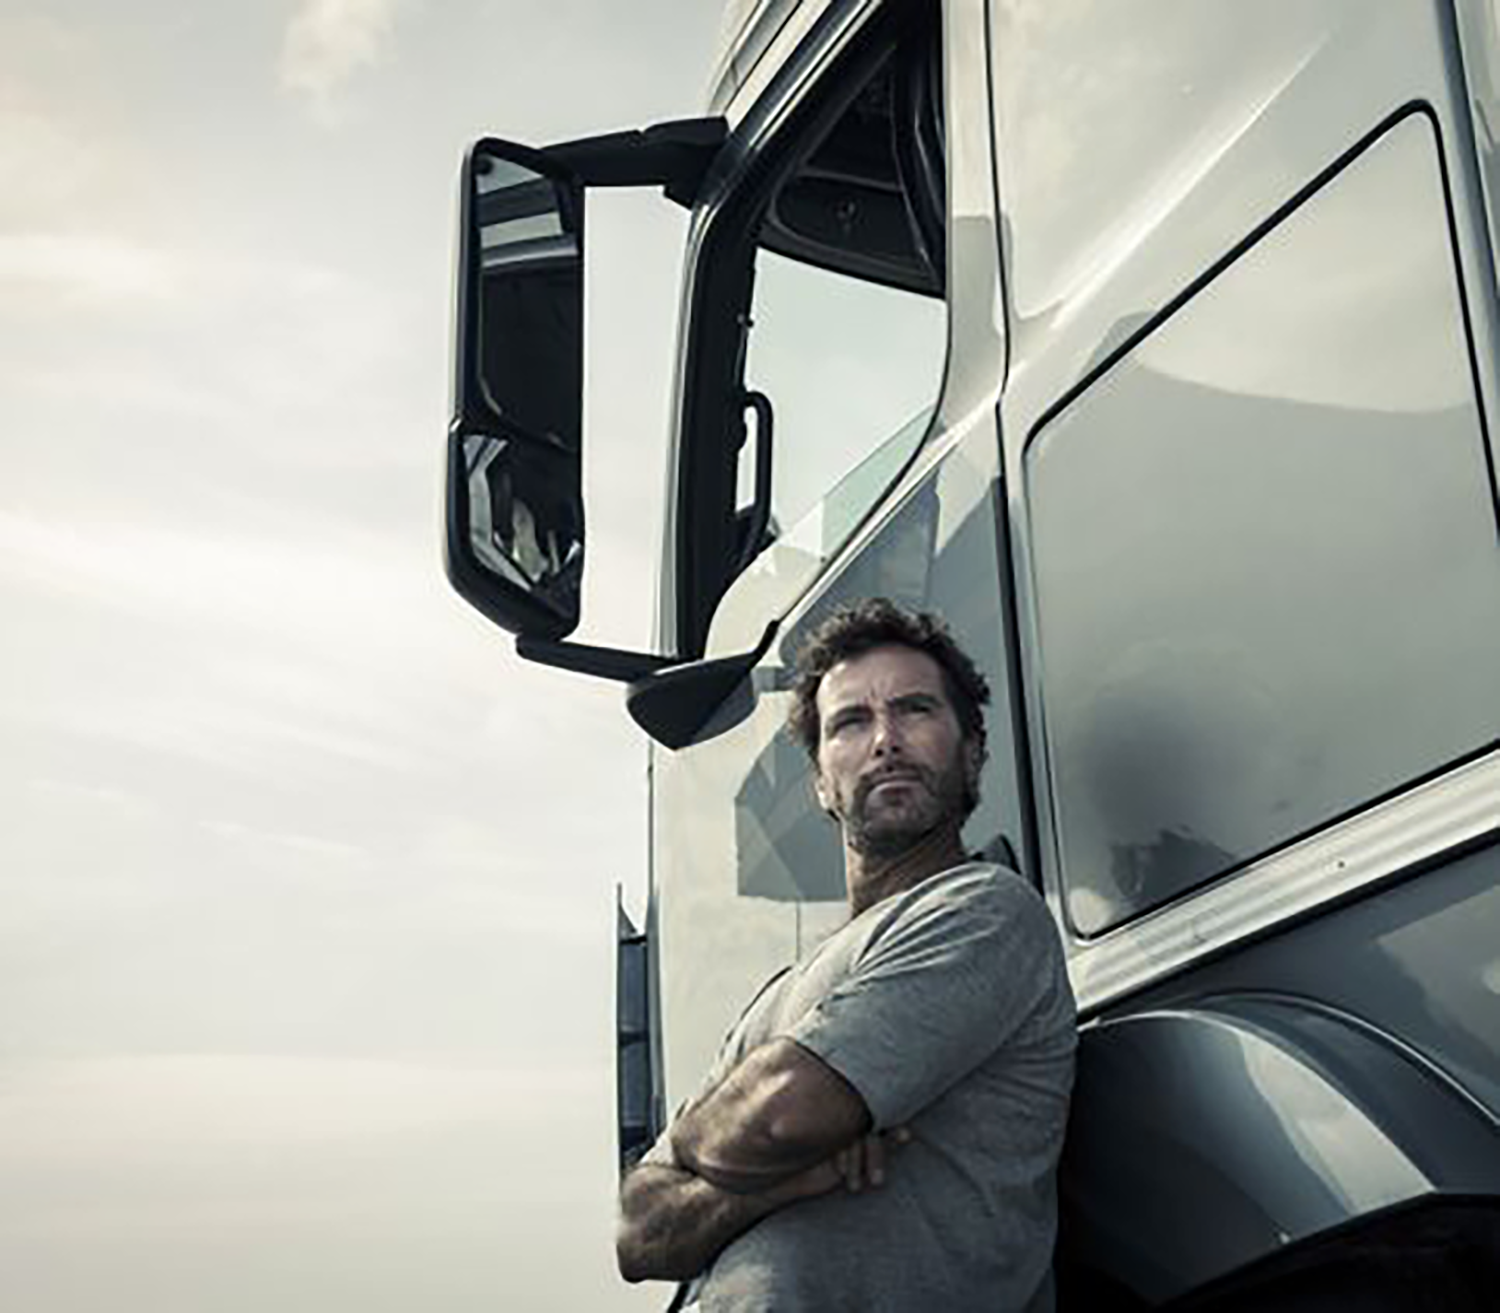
{"x": 871, "y": 878}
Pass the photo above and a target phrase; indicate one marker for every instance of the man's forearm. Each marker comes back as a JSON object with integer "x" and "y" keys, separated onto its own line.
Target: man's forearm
{"x": 672, "y": 1223}
{"x": 779, "y": 1111}
{"x": 758, "y": 1163}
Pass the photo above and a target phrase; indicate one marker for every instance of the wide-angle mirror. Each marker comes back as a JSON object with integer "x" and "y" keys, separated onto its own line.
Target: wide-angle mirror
{"x": 525, "y": 522}
{"x": 515, "y": 493}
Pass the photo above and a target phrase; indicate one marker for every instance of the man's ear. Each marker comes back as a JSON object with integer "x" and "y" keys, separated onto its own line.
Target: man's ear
{"x": 973, "y": 752}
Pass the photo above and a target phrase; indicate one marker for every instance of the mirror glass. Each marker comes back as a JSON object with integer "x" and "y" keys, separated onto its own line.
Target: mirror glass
{"x": 526, "y": 519}
{"x": 528, "y": 285}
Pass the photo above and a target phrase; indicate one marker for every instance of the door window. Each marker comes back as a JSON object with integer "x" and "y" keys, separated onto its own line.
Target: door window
{"x": 847, "y": 366}
{"x": 841, "y": 328}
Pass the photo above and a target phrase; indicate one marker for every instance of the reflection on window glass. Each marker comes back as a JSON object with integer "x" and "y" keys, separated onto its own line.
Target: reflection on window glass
{"x": 846, "y": 365}
{"x": 1268, "y": 585}
{"x": 824, "y": 528}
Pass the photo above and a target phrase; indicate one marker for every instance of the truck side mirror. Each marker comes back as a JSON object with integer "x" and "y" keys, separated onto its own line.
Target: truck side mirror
{"x": 514, "y": 544}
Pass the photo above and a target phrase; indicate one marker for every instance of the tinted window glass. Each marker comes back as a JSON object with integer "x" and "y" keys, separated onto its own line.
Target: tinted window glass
{"x": 846, "y": 335}
{"x": 1267, "y": 576}
{"x": 847, "y": 365}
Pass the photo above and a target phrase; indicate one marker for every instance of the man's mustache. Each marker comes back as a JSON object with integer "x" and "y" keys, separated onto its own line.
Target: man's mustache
{"x": 869, "y": 783}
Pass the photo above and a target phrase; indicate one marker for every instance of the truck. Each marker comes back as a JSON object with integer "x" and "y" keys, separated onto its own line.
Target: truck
{"x": 1154, "y": 346}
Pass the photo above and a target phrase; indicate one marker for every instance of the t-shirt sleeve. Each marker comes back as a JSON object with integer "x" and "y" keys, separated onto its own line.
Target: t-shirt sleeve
{"x": 955, "y": 974}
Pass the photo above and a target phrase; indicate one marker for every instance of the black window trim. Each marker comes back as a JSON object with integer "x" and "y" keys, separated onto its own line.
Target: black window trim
{"x": 721, "y": 288}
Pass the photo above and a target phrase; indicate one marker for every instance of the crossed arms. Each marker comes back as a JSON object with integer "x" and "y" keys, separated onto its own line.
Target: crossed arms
{"x": 782, "y": 1126}
{"x": 947, "y": 982}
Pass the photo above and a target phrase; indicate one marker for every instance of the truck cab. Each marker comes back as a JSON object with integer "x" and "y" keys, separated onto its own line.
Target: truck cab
{"x": 1154, "y": 347}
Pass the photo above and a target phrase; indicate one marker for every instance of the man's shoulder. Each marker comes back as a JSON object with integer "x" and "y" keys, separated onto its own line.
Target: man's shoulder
{"x": 767, "y": 998}
{"x": 973, "y": 909}
{"x": 981, "y": 886}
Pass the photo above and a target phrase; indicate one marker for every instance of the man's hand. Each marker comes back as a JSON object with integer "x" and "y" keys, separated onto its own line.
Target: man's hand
{"x": 864, "y": 1162}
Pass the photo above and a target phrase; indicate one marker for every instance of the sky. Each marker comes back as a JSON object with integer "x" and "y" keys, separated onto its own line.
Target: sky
{"x": 307, "y": 884}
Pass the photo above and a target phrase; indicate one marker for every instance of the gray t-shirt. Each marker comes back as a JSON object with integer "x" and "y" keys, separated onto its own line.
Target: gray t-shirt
{"x": 947, "y": 1007}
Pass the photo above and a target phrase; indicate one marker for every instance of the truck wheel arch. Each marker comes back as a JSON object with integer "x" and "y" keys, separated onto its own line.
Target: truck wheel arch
{"x": 1210, "y": 1140}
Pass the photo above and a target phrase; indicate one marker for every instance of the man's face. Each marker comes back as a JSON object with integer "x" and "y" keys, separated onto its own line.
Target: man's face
{"x": 893, "y": 764}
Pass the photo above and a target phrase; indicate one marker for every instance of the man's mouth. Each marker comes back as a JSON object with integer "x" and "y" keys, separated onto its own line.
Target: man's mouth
{"x": 895, "y": 777}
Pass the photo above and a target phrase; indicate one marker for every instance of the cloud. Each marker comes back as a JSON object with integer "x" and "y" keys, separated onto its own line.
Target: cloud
{"x": 67, "y": 264}
{"x": 45, "y": 165}
{"x": 152, "y": 321}
{"x": 83, "y": 266}
{"x": 328, "y": 41}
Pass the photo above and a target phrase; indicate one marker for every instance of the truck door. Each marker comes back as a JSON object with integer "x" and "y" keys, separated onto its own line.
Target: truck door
{"x": 868, "y": 298}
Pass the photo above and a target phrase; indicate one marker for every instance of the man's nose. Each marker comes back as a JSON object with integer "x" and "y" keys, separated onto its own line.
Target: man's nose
{"x": 887, "y": 735}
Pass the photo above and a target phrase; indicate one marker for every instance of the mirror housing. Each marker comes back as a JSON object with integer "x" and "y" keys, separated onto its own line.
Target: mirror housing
{"x": 514, "y": 542}
{"x": 515, "y": 454}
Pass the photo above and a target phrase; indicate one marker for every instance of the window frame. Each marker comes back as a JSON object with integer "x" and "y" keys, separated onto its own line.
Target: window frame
{"x": 701, "y": 543}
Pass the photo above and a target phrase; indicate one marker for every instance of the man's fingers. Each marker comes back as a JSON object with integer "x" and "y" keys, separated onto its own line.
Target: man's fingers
{"x": 848, "y": 1165}
{"x": 850, "y": 1162}
{"x": 816, "y": 1180}
{"x": 865, "y": 1162}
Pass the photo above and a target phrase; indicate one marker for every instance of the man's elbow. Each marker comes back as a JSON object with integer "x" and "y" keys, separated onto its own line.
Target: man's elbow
{"x": 632, "y": 1255}
{"x": 643, "y": 1248}
{"x": 630, "y": 1259}
{"x": 638, "y": 1260}
{"x": 632, "y": 1231}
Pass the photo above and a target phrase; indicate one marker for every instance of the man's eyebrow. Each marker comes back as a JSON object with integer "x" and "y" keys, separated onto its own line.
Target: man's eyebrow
{"x": 918, "y": 696}
{"x": 847, "y": 710}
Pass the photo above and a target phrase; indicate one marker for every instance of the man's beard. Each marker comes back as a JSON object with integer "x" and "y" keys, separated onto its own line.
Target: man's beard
{"x": 939, "y": 799}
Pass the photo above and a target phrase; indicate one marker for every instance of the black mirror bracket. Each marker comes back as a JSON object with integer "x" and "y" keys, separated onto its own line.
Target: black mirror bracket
{"x": 670, "y": 699}
{"x": 601, "y": 662}
{"x": 672, "y": 704}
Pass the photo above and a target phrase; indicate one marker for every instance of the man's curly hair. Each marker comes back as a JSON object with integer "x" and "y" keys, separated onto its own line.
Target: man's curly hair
{"x": 878, "y": 622}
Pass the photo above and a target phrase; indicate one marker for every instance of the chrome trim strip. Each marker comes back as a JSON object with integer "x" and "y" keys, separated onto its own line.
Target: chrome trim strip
{"x": 735, "y": 21}
{"x": 1352, "y": 857}
{"x": 741, "y": 52}
{"x": 783, "y": 53}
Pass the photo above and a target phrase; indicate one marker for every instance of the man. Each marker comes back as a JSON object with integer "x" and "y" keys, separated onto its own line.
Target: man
{"x": 881, "y": 1130}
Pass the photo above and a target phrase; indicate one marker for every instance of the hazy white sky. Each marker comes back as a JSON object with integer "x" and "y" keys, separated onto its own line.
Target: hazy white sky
{"x": 306, "y": 883}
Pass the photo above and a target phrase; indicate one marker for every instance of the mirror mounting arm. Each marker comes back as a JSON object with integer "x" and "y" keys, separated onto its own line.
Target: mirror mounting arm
{"x": 675, "y": 155}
